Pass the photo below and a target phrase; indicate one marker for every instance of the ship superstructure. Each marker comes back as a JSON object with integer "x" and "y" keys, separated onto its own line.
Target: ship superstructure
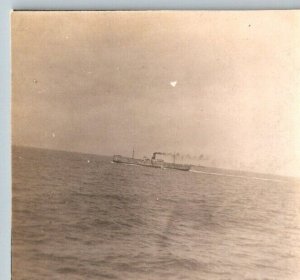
{"x": 153, "y": 162}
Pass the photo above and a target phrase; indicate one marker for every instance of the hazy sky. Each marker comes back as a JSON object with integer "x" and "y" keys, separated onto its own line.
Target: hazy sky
{"x": 100, "y": 82}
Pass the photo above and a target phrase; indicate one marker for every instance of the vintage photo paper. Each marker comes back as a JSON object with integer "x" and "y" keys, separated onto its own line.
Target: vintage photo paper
{"x": 156, "y": 145}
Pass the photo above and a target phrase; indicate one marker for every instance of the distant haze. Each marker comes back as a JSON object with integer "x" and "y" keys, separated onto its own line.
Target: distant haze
{"x": 220, "y": 86}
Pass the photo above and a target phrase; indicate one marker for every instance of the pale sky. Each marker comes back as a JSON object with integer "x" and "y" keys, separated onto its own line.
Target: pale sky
{"x": 224, "y": 85}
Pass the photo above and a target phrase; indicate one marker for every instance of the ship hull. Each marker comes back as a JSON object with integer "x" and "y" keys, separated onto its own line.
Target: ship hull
{"x": 151, "y": 163}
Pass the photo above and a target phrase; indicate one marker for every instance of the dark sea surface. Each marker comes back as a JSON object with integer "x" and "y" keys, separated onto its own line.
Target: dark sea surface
{"x": 78, "y": 216}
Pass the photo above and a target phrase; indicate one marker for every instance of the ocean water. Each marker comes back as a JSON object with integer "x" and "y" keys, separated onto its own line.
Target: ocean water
{"x": 78, "y": 216}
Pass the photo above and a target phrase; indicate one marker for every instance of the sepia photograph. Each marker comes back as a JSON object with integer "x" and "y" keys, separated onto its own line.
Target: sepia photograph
{"x": 156, "y": 145}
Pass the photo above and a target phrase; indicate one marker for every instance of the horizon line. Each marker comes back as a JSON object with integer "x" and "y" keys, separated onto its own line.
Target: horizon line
{"x": 208, "y": 167}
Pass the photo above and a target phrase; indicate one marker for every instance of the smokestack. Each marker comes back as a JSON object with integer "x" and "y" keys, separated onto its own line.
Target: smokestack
{"x": 157, "y": 153}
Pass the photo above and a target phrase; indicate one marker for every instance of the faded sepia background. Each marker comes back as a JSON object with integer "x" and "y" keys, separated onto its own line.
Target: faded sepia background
{"x": 218, "y": 88}
{"x": 224, "y": 85}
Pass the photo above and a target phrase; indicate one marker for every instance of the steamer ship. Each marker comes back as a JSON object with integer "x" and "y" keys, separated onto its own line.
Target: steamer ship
{"x": 153, "y": 162}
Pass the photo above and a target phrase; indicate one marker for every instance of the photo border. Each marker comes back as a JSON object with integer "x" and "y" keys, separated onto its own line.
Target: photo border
{"x": 5, "y": 75}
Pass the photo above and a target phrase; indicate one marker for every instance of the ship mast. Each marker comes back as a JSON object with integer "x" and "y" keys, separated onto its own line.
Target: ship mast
{"x": 133, "y": 153}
